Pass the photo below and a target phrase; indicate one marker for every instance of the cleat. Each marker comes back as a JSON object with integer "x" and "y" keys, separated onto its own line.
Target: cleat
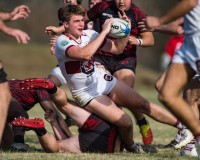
{"x": 37, "y": 83}
{"x": 19, "y": 147}
{"x": 136, "y": 148}
{"x": 171, "y": 144}
{"x": 28, "y": 124}
{"x": 147, "y": 135}
{"x": 186, "y": 137}
{"x": 189, "y": 150}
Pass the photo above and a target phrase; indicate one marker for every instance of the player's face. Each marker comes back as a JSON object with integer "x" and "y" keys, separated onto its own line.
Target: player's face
{"x": 70, "y": 1}
{"x": 123, "y": 5}
{"x": 75, "y": 26}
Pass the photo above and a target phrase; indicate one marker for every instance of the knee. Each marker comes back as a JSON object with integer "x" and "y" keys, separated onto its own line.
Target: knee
{"x": 165, "y": 97}
{"x": 125, "y": 121}
{"x": 158, "y": 85}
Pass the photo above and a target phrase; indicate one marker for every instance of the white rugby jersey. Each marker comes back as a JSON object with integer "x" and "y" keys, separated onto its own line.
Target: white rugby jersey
{"x": 77, "y": 73}
{"x": 192, "y": 20}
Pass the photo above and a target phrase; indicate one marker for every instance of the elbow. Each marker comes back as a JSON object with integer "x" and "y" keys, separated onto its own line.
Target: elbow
{"x": 86, "y": 56}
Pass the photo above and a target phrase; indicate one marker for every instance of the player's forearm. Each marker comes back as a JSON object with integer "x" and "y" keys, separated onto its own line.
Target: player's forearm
{"x": 58, "y": 131}
{"x": 89, "y": 50}
{"x": 183, "y": 7}
{"x": 147, "y": 40}
{"x": 4, "y": 16}
{"x": 64, "y": 127}
{"x": 5, "y": 29}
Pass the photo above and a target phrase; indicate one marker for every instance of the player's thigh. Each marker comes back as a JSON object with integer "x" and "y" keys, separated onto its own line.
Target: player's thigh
{"x": 104, "y": 107}
{"x": 125, "y": 75}
{"x": 177, "y": 76}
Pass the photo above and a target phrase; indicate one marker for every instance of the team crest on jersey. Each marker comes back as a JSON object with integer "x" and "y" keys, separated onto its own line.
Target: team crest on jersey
{"x": 64, "y": 43}
{"x": 87, "y": 67}
{"x": 108, "y": 77}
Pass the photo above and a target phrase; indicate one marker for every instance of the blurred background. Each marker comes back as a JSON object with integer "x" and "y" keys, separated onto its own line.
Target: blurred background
{"x": 34, "y": 59}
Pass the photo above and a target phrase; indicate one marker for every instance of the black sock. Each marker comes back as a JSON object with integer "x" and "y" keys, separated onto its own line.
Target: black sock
{"x": 19, "y": 139}
{"x": 40, "y": 132}
{"x": 142, "y": 121}
{"x": 53, "y": 90}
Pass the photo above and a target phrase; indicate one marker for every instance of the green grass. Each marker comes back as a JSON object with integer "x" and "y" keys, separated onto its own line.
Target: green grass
{"x": 33, "y": 60}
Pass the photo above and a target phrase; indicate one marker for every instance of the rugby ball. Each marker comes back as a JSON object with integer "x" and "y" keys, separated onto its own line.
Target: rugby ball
{"x": 119, "y": 28}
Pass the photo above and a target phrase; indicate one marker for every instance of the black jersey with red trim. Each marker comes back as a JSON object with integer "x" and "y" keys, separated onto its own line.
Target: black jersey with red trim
{"x": 105, "y": 10}
{"x": 27, "y": 98}
{"x": 97, "y": 135}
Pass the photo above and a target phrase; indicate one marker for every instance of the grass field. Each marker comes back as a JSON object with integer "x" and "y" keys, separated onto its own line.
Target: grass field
{"x": 33, "y": 60}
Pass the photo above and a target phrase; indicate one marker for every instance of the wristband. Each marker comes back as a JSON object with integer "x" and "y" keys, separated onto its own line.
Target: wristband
{"x": 140, "y": 41}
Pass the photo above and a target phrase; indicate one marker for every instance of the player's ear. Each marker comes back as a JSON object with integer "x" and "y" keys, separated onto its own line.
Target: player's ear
{"x": 65, "y": 24}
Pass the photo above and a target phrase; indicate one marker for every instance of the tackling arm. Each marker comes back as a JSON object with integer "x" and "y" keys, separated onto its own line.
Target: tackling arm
{"x": 46, "y": 105}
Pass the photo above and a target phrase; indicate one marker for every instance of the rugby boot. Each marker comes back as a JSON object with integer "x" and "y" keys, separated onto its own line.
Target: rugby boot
{"x": 28, "y": 124}
{"x": 37, "y": 83}
{"x": 189, "y": 150}
{"x": 147, "y": 135}
{"x": 136, "y": 148}
{"x": 186, "y": 137}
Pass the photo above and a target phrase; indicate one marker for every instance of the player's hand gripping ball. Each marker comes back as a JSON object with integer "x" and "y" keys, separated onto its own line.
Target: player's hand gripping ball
{"x": 119, "y": 28}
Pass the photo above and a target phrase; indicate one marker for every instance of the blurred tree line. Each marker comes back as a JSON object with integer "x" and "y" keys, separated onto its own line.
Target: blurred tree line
{"x": 44, "y": 13}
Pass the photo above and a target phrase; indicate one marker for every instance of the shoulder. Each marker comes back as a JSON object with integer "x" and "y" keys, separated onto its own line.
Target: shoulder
{"x": 98, "y": 9}
{"x": 136, "y": 9}
{"x": 138, "y": 13}
{"x": 62, "y": 41}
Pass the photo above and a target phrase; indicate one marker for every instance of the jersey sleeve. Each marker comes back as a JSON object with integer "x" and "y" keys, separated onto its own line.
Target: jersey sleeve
{"x": 62, "y": 44}
{"x": 96, "y": 10}
{"x": 139, "y": 14}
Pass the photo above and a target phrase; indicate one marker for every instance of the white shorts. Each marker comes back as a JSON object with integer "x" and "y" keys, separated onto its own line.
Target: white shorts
{"x": 102, "y": 85}
{"x": 189, "y": 52}
{"x": 57, "y": 72}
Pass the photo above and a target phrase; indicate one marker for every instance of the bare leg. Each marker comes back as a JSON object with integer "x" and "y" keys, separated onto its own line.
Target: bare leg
{"x": 160, "y": 81}
{"x": 136, "y": 102}
{"x": 128, "y": 77}
{"x": 170, "y": 95}
{"x": 69, "y": 108}
{"x": 5, "y": 97}
{"x": 192, "y": 95}
{"x": 106, "y": 109}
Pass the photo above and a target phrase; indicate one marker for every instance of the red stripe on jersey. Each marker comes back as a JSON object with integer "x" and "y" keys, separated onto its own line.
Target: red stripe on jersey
{"x": 72, "y": 67}
{"x": 68, "y": 49}
{"x": 111, "y": 140}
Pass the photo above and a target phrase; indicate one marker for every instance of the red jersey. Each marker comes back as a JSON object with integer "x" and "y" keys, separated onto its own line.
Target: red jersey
{"x": 105, "y": 10}
{"x": 173, "y": 44}
{"x": 27, "y": 98}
